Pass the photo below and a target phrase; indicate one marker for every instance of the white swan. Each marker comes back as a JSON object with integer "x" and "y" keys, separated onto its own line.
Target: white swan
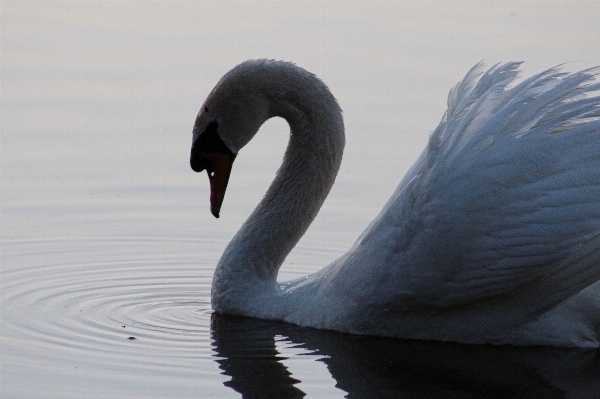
{"x": 493, "y": 236}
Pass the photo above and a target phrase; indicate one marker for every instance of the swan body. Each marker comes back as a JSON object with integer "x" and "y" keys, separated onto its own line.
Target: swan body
{"x": 493, "y": 236}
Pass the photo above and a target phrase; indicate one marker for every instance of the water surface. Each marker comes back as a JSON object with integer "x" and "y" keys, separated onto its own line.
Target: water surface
{"x": 108, "y": 246}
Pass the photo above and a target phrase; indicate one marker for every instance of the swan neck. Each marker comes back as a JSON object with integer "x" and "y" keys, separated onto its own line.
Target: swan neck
{"x": 311, "y": 162}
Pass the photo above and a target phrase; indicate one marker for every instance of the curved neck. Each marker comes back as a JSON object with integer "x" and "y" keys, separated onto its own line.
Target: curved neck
{"x": 311, "y": 162}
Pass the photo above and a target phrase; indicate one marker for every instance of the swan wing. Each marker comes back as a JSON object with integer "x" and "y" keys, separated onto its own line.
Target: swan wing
{"x": 504, "y": 203}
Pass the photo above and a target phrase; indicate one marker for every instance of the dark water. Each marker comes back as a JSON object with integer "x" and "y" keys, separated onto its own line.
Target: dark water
{"x": 390, "y": 368}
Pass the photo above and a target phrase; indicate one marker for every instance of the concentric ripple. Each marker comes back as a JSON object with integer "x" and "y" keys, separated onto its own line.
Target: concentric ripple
{"x": 109, "y": 302}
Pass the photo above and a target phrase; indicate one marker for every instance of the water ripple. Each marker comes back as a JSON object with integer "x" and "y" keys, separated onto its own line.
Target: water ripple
{"x": 107, "y": 301}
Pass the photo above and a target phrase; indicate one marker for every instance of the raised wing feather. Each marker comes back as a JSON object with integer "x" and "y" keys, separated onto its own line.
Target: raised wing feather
{"x": 505, "y": 201}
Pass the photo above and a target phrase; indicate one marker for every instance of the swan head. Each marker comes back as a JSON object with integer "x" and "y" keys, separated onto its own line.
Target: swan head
{"x": 243, "y": 99}
{"x": 229, "y": 118}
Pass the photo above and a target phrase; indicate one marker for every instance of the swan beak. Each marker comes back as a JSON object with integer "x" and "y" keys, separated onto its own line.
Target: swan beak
{"x": 218, "y": 175}
{"x": 210, "y": 153}
{"x": 218, "y": 167}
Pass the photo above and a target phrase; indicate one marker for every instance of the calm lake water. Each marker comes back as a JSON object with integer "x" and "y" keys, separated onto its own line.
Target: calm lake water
{"x": 108, "y": 245}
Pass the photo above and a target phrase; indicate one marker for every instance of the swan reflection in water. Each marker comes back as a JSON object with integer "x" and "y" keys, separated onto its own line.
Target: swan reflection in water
{"x": 374, "y": 367}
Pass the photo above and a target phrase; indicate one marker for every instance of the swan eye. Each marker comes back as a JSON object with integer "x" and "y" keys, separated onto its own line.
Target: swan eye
{"x": 205, "y": 108}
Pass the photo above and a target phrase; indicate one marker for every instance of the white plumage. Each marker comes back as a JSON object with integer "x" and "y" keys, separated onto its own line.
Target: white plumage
{"x": 493, "y": 236}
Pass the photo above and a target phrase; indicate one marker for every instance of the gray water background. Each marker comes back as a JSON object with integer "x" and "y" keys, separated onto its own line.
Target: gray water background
{"x": 106, "y": 232}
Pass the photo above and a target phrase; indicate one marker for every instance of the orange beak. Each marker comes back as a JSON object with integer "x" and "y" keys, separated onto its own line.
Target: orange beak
{"x": 218, "y": 168}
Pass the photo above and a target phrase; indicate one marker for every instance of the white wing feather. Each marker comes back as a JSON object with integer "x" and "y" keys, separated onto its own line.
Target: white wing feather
{"x": 505, "y": 201}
